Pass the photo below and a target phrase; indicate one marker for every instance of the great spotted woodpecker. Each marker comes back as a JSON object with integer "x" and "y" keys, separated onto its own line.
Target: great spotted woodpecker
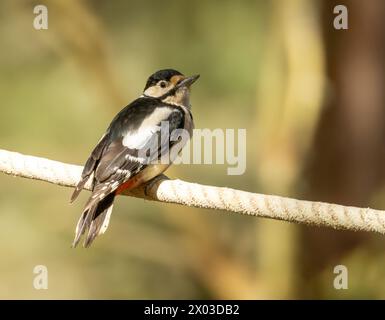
{"x": 130, "y": 151}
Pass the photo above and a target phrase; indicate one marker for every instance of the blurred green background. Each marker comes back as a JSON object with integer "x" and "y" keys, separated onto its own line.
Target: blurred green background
{"x": 311, "y": 98}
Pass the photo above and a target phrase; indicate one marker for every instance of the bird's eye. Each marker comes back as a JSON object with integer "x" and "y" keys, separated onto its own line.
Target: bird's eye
{"x": 163, "y": 84}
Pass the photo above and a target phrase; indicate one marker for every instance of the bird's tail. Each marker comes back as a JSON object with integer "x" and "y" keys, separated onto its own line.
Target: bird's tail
{"x": 94, "y": 219}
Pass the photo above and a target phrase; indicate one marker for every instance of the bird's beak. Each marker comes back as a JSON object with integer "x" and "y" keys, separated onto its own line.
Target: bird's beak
{"x": 188, "y": 81}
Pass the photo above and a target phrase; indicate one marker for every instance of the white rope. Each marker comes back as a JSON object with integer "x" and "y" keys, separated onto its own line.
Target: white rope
{"x": 196, "y": 195}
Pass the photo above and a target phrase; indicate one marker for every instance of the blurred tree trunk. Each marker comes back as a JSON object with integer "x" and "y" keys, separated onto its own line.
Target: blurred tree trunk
{"x": 290, "y": 91}
{"x": 347, "y": 162}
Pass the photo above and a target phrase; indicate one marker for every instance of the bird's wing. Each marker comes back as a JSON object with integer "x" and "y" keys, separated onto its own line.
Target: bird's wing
{"x": 120, "y": 160}
{"x": 134, "y": 150}
{"x": 115, "y": 159}
{"x": 91, "y": 165}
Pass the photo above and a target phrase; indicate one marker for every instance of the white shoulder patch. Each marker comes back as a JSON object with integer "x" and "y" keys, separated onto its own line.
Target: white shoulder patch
{"x": 149, "y": 126}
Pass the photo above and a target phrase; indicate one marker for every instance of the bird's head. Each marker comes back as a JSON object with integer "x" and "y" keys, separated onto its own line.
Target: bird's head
{"x": 170, "y": 86}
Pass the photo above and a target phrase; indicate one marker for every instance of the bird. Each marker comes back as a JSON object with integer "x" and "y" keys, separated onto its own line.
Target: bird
{"x": 140, "y": 143}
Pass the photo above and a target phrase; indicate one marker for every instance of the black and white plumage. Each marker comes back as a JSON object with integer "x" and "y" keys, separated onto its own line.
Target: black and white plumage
{"x": 134, "y": 146}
